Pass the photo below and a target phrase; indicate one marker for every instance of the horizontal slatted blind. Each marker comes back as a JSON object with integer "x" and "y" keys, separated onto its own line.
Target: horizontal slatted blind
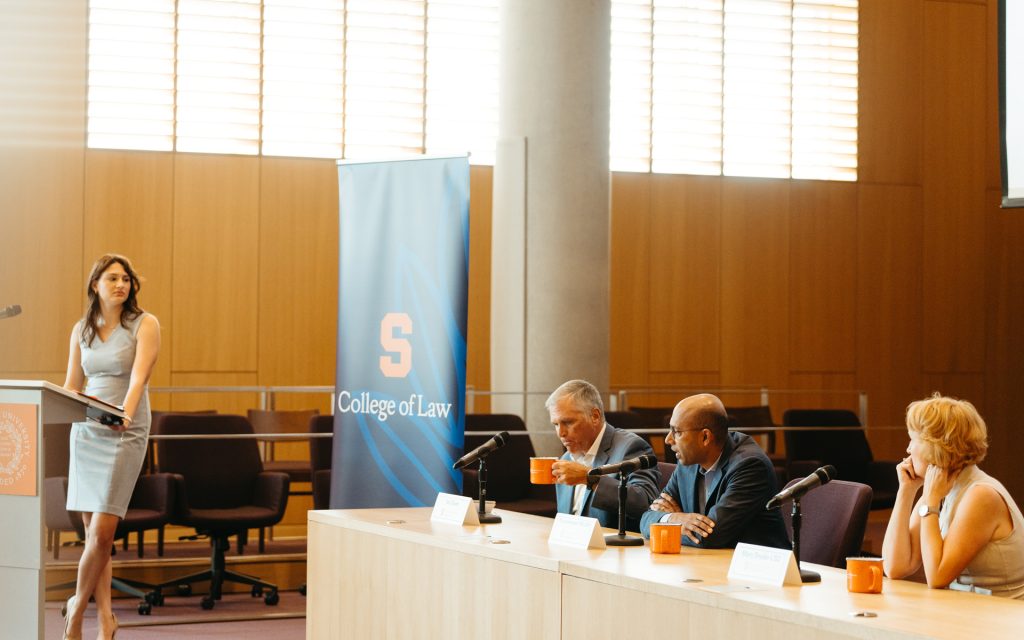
{"x": 303, "y": 77}
{"x": 715, "y": 87}
{"x": 131, "y": 74}
{"x": 763, "y": 88}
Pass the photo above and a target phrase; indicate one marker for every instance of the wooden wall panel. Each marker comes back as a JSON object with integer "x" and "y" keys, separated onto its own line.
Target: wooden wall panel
{"x": 1004, "y": 361}
{"x": 128, "y": 210}
{"x": 685, "y": 244}
{"x": 954, "y": 182}
{"x": 478, "y": 320}
{"x": 629, "y": 278}
{"x": 755, "y": 282}
{"x": 42, "y": 137}
{"x": 968, "y": 386}
{"x": 684, "y": 384}
{"x": 216, "y": 263}
{"x": 824, "y": 390}
{"x": 889, "y": 312}
{"x": 889, "y": 128}
{"x": 41, "y": 248}
{"x": 823, "y": 276}
{"x": 232, "y": 403}
{"x": 298, "y": 271}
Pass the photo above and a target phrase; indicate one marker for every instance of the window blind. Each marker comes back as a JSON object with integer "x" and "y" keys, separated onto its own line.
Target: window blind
{"x": 763, "y": 88}
{"x": 714, "y": 87}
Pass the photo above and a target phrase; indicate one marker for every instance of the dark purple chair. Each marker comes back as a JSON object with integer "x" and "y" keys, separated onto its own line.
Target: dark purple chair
{"x": 834, "y": 517}
{"x": 508, "y": 469}
{"x": 320, "y": 454}
{"x": 666, "y": 469}
{"x": 222, "y": 491}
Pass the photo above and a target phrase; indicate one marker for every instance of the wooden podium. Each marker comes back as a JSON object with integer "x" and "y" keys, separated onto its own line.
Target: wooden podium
{"x": 26, "y": 406}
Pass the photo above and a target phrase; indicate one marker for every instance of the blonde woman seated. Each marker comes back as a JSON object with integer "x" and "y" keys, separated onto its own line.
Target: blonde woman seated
{"x": 965, "y": 530}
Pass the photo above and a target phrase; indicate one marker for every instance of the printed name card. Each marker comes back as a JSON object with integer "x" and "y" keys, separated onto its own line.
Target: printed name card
{"x": 768, "y": 565}
{"x": 453, "y": 509}
{"x": 578, "y": 532}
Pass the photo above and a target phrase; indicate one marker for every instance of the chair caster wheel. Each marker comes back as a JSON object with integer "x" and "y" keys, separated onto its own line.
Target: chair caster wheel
{"x": 271, "y": 598}
{"x": 207, "y": 602}
{"x": 155, "y": 598}
{"x": 302, "y": 590}
{"x": 257, "y": 591}
{"x": 145, "y": 608}
{"x": 184, "y": 590}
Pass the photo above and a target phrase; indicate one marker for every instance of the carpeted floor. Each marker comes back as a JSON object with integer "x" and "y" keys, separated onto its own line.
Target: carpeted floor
{"x": 183, "y": 618}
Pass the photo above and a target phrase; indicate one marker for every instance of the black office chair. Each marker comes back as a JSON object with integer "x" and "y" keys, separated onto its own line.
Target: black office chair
{"x": 847, "y": 449}
{"x": 222, "y": 491}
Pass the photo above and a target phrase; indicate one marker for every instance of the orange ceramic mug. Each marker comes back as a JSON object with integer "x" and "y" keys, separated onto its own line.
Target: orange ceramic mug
{"x": 540, "y": 470}
{"x": 666, "y": 537}
{"x": 864, "y": 575}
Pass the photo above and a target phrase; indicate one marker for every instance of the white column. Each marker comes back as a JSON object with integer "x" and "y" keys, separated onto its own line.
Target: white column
{"x": 550, "y": 255}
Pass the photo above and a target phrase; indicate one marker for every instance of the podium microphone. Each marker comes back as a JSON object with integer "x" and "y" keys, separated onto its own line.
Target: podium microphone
{"x": 10, "y": 312}
{"x": 626, "y": 466}
{"x": 482, "y": 451}
{"x": 821, "y": 476}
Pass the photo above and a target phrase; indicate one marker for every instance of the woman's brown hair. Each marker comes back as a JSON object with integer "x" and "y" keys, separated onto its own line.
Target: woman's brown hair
{"x": 130, "y": 310}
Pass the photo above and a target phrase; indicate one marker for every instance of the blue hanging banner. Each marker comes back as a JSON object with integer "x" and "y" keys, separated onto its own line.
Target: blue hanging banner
{"x": 400, "y": 387}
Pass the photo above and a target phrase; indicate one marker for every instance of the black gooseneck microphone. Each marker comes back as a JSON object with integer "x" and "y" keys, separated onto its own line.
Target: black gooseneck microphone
{"x": 820, "y": 476}
{"x": 626, "y": 466}
{"x": 483, "y": 450}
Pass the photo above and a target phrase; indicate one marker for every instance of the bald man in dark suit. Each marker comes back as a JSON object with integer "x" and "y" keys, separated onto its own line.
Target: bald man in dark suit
{"x": 719, "y": 489}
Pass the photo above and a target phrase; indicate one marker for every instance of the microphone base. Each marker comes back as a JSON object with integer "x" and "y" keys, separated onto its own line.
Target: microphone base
{"x": 490, "y": 518}
{"x": 809, "y": 576}
{"x": 622, "y": 540}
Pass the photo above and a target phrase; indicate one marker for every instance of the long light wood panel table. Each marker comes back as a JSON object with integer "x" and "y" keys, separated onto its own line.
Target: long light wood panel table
{"x": 391, "y": 573}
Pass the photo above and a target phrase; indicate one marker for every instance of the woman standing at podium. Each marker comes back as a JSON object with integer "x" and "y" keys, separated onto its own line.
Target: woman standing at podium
{"x": 113, "y": 349}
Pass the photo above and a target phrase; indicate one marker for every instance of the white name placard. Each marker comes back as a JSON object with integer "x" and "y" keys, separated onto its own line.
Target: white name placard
{"x": 453, "y": 509}
{"x": 576, "y": 531}
{"x": 767, "y": 565}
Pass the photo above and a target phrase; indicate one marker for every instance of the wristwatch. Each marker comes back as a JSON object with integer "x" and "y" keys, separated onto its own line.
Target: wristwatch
{"x": 925, "y": 510}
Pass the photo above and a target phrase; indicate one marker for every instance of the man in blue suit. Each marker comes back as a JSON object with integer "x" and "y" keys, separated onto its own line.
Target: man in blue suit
{"x": 577, "y": 414}
{"x": 720, "y": 486}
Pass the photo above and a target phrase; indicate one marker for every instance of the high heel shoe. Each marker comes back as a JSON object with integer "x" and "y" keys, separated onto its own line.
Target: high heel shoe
{"x": 66, "y": 612}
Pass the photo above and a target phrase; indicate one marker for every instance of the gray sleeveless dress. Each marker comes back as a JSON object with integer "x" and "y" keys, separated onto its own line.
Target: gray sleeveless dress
{"x": 105, "y": 464}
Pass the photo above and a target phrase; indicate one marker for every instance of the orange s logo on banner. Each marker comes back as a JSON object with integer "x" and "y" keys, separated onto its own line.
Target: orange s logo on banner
{"x": 388, "y": 366}
{"x": 18, "y": 449}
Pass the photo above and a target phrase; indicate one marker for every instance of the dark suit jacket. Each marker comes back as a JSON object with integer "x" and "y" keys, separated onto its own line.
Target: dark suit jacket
{"x": 736, "y": 501}
{"x": 602, "y": 502}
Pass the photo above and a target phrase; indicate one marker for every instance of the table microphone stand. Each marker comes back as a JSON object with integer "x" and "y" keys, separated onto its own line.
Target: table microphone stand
{"x": 805, "y": 575}
{"x": 620, "y": 539}
{"x": 481, "y": 479}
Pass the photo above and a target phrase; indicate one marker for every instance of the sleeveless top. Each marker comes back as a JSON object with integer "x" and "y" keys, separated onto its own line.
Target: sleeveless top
{"x": 999, "y": 566}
